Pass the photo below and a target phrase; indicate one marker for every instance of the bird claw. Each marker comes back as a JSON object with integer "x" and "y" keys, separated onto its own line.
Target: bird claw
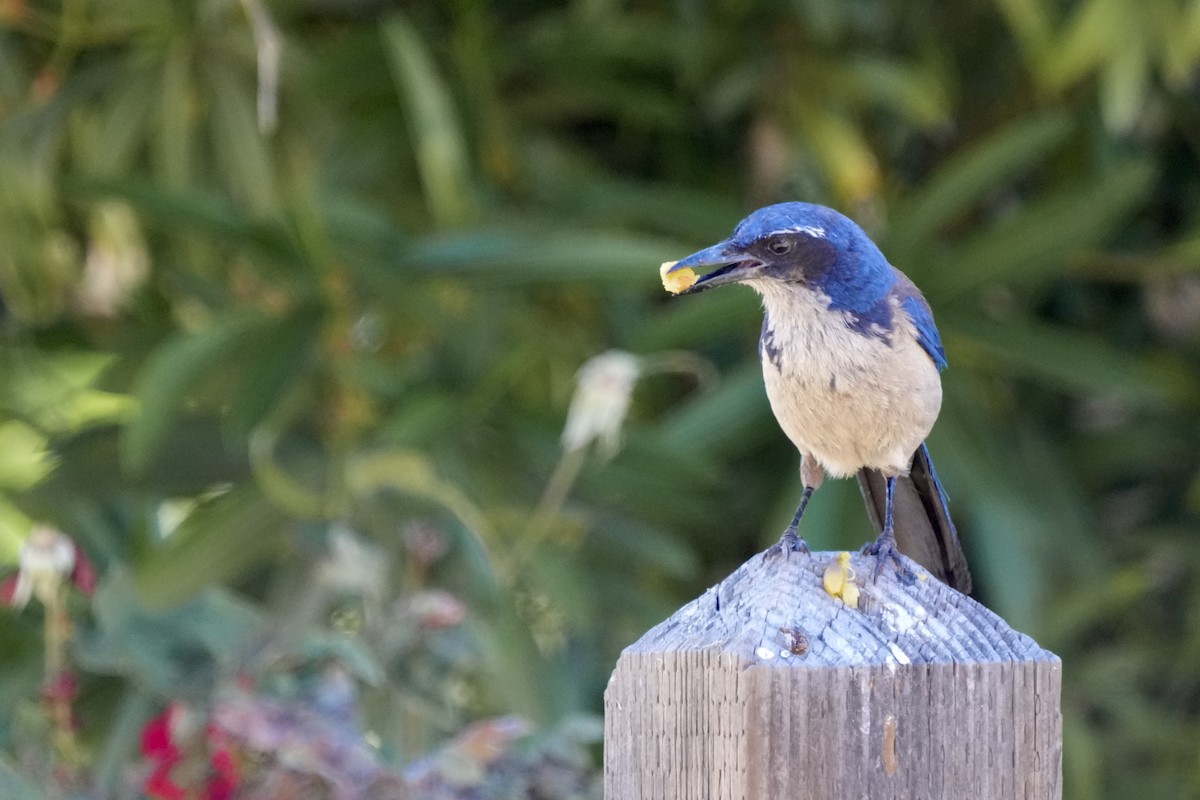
{"x": 788, "y": 543}
{"x": 884, "y": 549}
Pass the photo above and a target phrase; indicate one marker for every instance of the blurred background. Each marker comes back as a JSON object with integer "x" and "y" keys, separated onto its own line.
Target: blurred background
{"x": 305, "y": 489}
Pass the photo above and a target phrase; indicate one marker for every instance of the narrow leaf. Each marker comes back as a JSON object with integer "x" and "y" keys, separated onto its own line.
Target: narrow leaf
{"x": 173, "y": 371}
{"x": 961, "y": 182}
{"x": 1034, "y": 244}
{"x": 218, "y": 542}
{"x": 441, "y": 148}
{"x": 198, "y": 211}
{"x": 280, "y": 355}
{"x": 173, "y": 142}
{"x": 525, "y": 257}
{"x": 1073, "y": 361}
{"x": 239, "y": 145}
{"x": 720, "y": 420}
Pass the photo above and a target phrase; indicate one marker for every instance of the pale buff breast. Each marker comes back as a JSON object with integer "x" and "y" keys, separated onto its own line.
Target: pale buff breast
{"x": 847, "y": 399}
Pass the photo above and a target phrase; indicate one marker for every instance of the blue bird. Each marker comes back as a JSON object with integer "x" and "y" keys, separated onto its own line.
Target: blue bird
{"x": 851, "y": 360}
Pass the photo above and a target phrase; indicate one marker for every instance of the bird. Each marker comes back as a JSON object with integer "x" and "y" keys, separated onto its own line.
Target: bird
{"x": 851, "y": 362}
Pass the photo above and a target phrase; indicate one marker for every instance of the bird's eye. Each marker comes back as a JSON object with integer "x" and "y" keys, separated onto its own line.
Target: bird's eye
{"x": 780, "y": 246}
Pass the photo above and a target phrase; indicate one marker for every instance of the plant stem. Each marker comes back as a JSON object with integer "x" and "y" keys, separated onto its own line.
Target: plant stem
{"x": 57, "y": 695}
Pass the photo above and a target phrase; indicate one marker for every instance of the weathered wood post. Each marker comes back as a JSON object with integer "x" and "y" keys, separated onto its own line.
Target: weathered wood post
{"x": 766, "y": 687}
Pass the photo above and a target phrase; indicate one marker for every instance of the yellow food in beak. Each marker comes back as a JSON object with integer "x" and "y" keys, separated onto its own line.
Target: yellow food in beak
{"x": 676, "y": 282}
{"x": 839, "y": 580}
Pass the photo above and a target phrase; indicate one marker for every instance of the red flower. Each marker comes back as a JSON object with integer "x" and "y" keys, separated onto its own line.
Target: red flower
{"x": 224, "y": 783}
{"x": 157, "y": 740}
{"x": 84, "y": 576}
{"x": 161, "y": 786}
{"x": 160, "y": 745}
{"x": 8, "y": 591}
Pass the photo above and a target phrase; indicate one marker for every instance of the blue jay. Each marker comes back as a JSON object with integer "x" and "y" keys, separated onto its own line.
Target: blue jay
{"x": 851, "y": 360}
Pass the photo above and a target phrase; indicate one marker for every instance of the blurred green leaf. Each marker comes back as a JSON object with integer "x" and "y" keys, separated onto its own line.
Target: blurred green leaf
{"x": 219, "y": 541}
{"x": 1088, "y": 40}
{"x": 240, "y": 148}
{"x": 275, "y": 357}
{"x": 170, "y": 653}
{"x": 687, "y": 322}
{"x": 199, "y": 211}
{"x": 1005, "y": 535}
{"x": 646, "y": 546}
{"x": 13, "y": 786}
{"x": 123, "y": 743}
{"x": 441, "y": 151}
{"x": 410, "y": 472}
{"x": 122, "y": 125}
{"x": 719, "y": 420}
{"x": 320, "y": 648}
{"x": 515, "y": 258}
{"x": 1030, "y": 23}
{"x": 1082, "y": 763}
{"x": 914, "y": 91}
{"x": 987, "y": 166}
{"x": 564, "y": 184}
{"x": 174, "y": 137}
{"x": 1031, "y": 245}
{"x": 1075, "y": 361}
{"x": 192, "y": 458}
{"x": 175, "y": 370}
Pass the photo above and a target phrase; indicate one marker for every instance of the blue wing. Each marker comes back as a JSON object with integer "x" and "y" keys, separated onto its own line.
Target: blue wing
{"x": 918, "y": 311}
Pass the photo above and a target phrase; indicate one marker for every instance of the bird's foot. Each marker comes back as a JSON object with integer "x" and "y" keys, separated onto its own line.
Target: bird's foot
{"x": 884, "y": 550}
{"x": 789, "y": 543}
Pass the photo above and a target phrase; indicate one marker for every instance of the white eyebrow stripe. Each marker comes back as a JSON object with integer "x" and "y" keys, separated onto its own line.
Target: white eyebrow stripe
{"x": 815, "y": 231}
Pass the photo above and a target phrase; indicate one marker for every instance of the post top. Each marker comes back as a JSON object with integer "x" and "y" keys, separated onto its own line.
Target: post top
{"x": 774, "y": 609}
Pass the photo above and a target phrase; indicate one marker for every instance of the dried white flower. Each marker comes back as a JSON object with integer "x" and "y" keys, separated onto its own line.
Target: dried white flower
{"x": 117, "y": 262}
{"x": 46, "y": 558}
{"x": 353, "y": 566}
{"x": 603, "y": 391}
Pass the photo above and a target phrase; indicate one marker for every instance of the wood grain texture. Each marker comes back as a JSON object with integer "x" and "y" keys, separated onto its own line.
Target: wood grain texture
{"x": 766, "y": 687}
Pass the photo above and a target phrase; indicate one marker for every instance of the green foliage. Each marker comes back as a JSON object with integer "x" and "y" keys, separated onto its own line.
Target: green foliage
{"x": 14, "y": 786}
{"x": 229, "y": 345}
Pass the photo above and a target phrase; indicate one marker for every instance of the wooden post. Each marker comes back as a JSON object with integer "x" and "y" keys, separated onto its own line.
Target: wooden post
{"x": 766, "y": 687}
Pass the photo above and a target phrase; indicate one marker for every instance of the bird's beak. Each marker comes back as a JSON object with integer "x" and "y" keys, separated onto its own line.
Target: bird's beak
{"x": 733, "y": 264}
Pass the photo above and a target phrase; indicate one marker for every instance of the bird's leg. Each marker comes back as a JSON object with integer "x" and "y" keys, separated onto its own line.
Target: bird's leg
{"x": 791, "y": 542}
{"x": 884, "y": 547}
{"x": 811, "y": 473}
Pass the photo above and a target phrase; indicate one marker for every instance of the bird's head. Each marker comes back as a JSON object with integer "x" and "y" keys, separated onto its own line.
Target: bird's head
{"x": 795, "y": 243}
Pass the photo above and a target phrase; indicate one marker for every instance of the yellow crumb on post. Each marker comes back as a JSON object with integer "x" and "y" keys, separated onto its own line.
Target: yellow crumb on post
{"x": 834, "y": 578}
{"x": 850, "y": 593}
{"x": 676, "y": 282}
{"x": 839, "y": 580}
